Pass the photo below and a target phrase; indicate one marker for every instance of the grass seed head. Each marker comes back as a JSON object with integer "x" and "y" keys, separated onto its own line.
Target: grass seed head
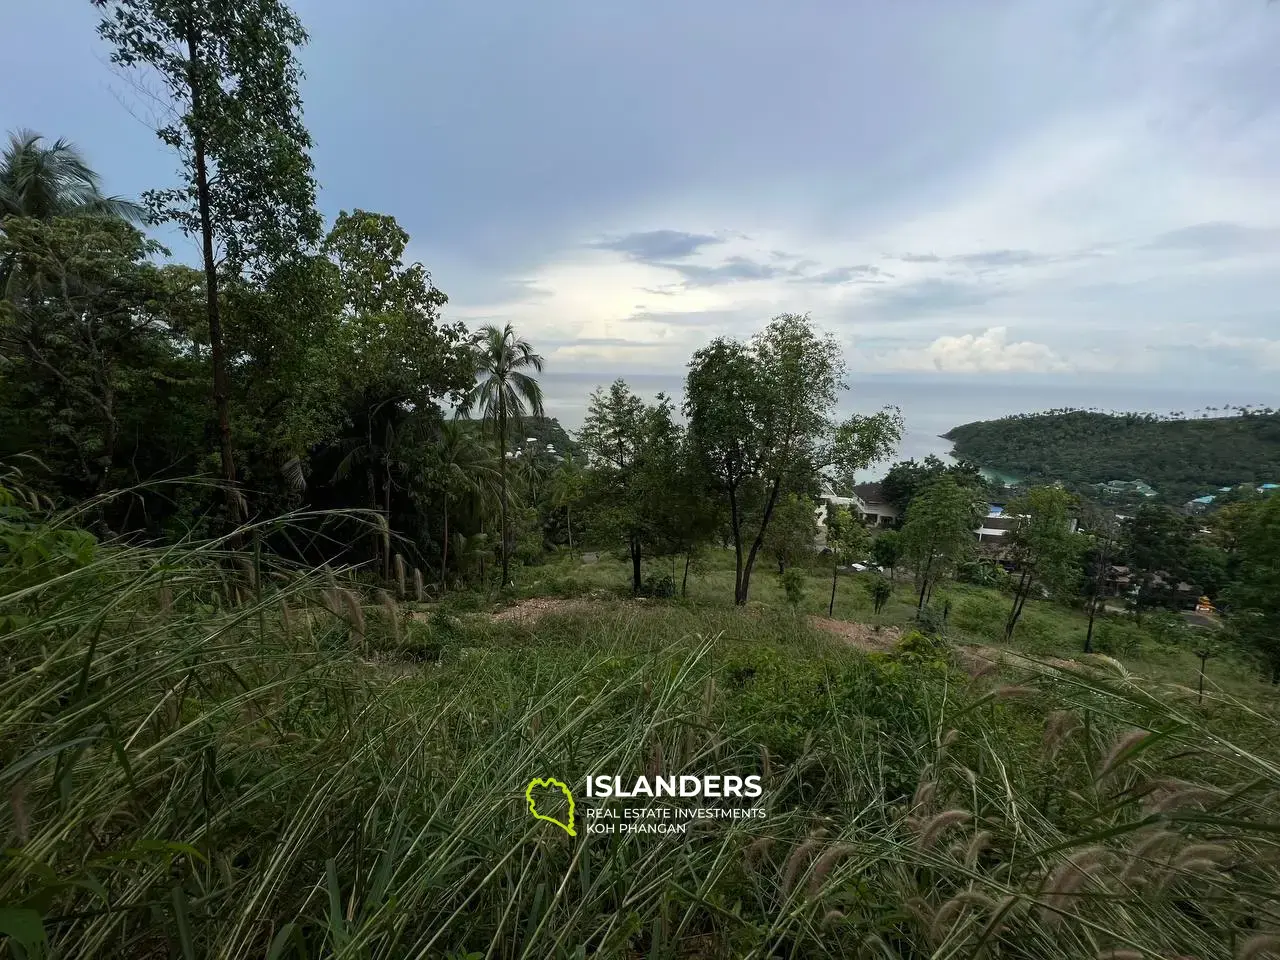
{"x": 1120, "y": 751}
{"x": 934, "y": 827}
{"x": 825, "y": 863}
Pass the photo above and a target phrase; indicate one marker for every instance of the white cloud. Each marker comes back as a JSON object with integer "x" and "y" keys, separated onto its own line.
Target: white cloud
{"x": 987, "y": 352}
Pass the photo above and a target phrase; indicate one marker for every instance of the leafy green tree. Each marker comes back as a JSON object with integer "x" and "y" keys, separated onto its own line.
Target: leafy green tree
{"x": 847, "y": 540}
{"x": 1155, "y": 542}
{"x": 568, "y": 488}
{"x": 1042, "y": 546}
{"x": 938, "y": 532}
{"x": 907, "y": 478}
{"x": 632, "y": 450}
{"x": 460, "y": 465}
{"x": 761, "y": 420}
{"x": 881, "y": 594}
{"x": 89, "y": 342}
{"x": 793, "y": 532}
{"x": 504, "y": 393}
{"x": 232, "y": 77}
{"x": 391, "y": 337}
{"x": 1102, "y": 532}
{"x": 1255, "y": 596}
{"x": 51, "y": 181}
{"x": 886, "y": 551}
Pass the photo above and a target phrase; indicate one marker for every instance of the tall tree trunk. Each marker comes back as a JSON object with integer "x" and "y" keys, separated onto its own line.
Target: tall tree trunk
{"x": 502, "y": 508}
{"x": 1093, "y": 611}
{"x": 924, "y": 585}
{"x": 444, "y": 554}
{"x": 568, "y": 522}
{"x": 684, "y": 583}
{"x": 372, "y": 487}
{"x": 735, "y": 521}
{"x": 755, "y": 546}
{"x": 386, "y": 515}
{"x": 221, "y": 376}
{"x": 634, "y": 546}
{"x": 1019, "y": 598}
{"x": 835, "y": 570}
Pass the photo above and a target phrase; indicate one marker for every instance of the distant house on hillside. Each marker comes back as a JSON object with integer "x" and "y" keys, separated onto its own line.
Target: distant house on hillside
{"x": 872, "y": 506}
{"x": 868, "y": 504}
{"x": 1122, "y": 488}
{"x": 996, "y": 526}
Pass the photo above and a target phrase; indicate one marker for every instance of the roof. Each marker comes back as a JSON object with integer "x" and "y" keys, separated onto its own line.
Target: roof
{"x": 869, "y": 493}
{"x": 1208, "y": 498}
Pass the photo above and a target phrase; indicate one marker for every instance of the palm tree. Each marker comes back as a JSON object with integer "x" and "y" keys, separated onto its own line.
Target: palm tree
{"x": 54, "y": 181}
{"x": 464, "y": 467}
{"x": 505, "y": 395}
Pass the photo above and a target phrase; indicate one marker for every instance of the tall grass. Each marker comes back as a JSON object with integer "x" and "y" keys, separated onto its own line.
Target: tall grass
{"x": 207, "y": 755}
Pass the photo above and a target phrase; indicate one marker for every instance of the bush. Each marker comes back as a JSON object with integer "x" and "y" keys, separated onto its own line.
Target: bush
{"x": 657, "y": 587}
{"x": 1116, "y": 637}
{"x": 793, "y": 583}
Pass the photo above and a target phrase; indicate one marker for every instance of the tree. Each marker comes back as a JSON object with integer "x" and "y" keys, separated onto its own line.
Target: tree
{"x": 907, "y": 478}
{"x": 1155, "y": 542}
{"x": 761, "y": 422}
{"x": 1103, "y": 532}
{"x": 632, "y": 451}
{"x": 1255, "y": 596}
{"x": 45, "y": 182}
{"x": 1041, "y": 545}
{"x": 231, "y": 74}
{"x": 881, "y": 593}
{"x": 793, "y": 532}
{"x": 90, "y": 341}
{"x": 392, "y": 340}
{"x": 938, "y": 532}
{"x": 568, "y": 487}
{"x": 504, "y": 393}
{"x": 846, "y": 540}
{"x": 886, "y": 551}
{"x": 460, "y": 466}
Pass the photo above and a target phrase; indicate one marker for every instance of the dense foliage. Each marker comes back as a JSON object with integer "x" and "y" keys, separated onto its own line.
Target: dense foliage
{"x": 1180, "y": 458}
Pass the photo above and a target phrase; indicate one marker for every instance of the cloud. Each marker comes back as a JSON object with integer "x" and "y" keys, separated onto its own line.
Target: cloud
{"x": 988, "y": 352}
{"x": 929, "y": 295}
{"x": 1218, "y": 239}
{"x": 732, "y": 270}
{"x": 1259, "y": 352}
{"x": 860, "y": 273}
{"x": 655, "y": 245}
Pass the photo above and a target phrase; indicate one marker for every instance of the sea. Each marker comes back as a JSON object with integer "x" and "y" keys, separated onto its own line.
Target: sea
{"x": 932, "y": 404}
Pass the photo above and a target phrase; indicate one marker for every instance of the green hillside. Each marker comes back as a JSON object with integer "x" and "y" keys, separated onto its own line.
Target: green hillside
{"x": 1180, "y": 458}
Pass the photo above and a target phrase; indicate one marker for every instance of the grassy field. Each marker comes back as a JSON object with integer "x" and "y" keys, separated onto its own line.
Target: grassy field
{"x": 209, "y": 757}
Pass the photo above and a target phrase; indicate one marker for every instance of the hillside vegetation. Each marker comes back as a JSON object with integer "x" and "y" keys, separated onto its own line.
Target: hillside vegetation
{"x": 1180, "y": 458}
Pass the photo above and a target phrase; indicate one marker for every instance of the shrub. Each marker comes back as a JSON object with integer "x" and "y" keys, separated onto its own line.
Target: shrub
{"x": 793, "y": 584}
{"x": 1116, "y": 637}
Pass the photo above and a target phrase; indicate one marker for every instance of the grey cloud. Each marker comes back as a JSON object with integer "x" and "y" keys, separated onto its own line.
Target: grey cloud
{"x": 931, "y": 296}
{"x": 999, "y": 258}
{"x": 1217, "y": 238}
{"x": 860, "y": 273}
{"x": 697, "y": 318}
{"x": 654, "y": 245}
{"x": 919, "y": 257}
{"x": 732, "y": 270}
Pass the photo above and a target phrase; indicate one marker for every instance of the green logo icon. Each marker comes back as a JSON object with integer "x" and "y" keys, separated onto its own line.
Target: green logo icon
{"x": 550, "y": 783}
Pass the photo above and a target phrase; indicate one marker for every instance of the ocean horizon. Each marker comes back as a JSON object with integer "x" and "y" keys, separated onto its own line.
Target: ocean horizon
{"x": 932, "y": 405}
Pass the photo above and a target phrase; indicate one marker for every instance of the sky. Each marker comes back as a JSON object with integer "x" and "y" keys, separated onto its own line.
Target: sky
{"x": 1064, "y": 190}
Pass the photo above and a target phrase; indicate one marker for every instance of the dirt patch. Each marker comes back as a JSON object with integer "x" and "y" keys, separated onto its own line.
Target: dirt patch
{"x": 535, "y": 608}
{"x": 859, "y": 635}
